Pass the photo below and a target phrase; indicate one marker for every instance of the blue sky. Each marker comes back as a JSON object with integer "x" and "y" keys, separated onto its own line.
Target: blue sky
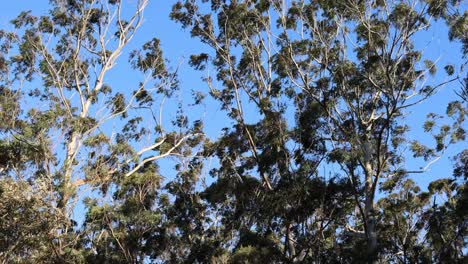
{"x": 177, "y": 46}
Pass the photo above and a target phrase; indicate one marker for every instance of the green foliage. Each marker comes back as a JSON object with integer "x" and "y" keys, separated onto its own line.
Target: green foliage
{"x": 27, "y": 223}
{"x": 319, "y": 174}
{"x": 348, "y": 113}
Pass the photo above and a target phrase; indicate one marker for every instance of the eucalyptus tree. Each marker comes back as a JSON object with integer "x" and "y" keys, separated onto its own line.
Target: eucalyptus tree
{"x": 67, "y": 133}
{"x": 331, "y": 82}
{"x": 310, "y": 168}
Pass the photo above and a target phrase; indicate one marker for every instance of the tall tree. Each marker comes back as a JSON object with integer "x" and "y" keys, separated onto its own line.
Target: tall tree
{"x": 74, "y": 133}
{"x": 350, "y": 72}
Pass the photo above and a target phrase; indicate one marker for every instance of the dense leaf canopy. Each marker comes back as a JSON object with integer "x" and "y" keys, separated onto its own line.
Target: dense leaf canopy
{"x": 312, "y": 162}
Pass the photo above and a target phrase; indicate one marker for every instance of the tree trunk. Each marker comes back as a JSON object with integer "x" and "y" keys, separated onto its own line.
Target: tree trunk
{"x": 72, "y": 149}
{"x": 290, "y": 242}
{"x": 371, "y": 232}
{"x": 67, "y": 188}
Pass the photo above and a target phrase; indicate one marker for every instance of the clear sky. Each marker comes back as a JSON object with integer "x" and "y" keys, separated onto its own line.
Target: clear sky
{"x": 177, "y": 46}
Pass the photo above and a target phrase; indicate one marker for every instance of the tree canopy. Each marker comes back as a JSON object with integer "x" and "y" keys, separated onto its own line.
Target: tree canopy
{"x": 313, "y": 162}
